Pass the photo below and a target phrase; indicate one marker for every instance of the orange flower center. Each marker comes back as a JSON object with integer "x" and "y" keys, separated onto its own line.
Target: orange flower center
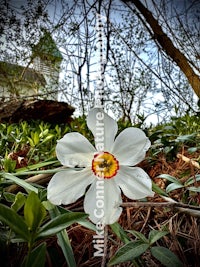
{"x": 105, "y": 165}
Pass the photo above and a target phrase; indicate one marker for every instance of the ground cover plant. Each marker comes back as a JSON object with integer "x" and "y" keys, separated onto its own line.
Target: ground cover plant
{"x": 159, "y": 231}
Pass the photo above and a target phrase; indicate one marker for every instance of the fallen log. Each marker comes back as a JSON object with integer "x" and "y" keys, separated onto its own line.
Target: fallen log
{"x": 26, "y": 110}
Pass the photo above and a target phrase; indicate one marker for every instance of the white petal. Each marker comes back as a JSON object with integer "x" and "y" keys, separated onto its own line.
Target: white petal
{"x": 75, "y": 150}
{"x": 102, "y": 202}
{"x": 130, "y": 146}
{"x": 134, "y": 182}
{"x": 67, "y": 186}
{"x": 103, "y": 127}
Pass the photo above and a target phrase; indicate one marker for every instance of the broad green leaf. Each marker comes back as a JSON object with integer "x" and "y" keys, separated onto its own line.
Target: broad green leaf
{"x": 59, "y": 223}
{"x": 14, "y": 221}
{"x": 155, "y": 235}
{"x": 37, "y": 257}
{"x": 19, "y": 201}
{"x": 48, "y": 138}
{"x": 36, "y": 138}
{"x": 129, "y": 252}
{"x": 173, "y": 186}
{"x": 31, "y": 142}
{"x": 139, "y": 235}
{"x": 9, "y": 165}
{"x": 119, "y": 231}
{"x": 48, "y": 205}
{"x": 166, "y": 257}
{"x": 83, "y": 222}
{"x": 158, "y": 190}
{"x": 20, "y": 182}
{"x": 34, "y": 211}
{"x": 169, "y": 178}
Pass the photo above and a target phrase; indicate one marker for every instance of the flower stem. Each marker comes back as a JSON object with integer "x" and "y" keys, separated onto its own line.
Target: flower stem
{"x": 30, "y": 246}
{"x": 103, "y": 262}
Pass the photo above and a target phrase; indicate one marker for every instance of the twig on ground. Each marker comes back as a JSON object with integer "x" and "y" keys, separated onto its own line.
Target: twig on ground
{"x": 188, "y": 160}
{"x": 181, "y": 207}
{"x": 37, "y": 179}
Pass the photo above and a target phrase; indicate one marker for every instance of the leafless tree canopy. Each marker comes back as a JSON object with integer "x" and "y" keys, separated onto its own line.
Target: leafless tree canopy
{"x": 151, "y": 52}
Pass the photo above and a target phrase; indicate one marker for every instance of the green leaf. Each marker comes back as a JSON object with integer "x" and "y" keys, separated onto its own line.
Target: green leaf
{"x": 193, "y": 189}
{"x": 14, "y": 221}
{"x": 9, "y": 196}
{"x": 31, "y": 142}
{"x": 192, "y": 149}
{"x": 43, "y": 133}
{"x": 155, "y": 235}
{"x": 59, "y": 223}
{"x": 19, "y": 201}
{"x": 119, "y": 231}
{"x": 20, "y": 182}
{"x": 63, "y": 241}
{"x": 48, "y": 138}
{"x": 129, "y": 252}
{"x": 185, "y": 138}
{"x": 24, "y": 170}
{"x": 139, "y": 235}
{"x": 48, "y": 205}
{"x": 83, "y": 222}
{"x": 169, "y": 178}
{"x": 192, "y": 180}
{"x": 9, "y": 165}
{"x": 87, "y": 224}
{"x": 158, "y": 190}
{"x": 37, "y": 257}
{"x": 173, "y": 186}
{"x": 34, "y": 211}
{"x": 36, "y": 138}
{"x": 166, "y": 257}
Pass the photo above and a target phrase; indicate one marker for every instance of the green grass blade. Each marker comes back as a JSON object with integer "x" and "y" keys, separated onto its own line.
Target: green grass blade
{"x": 20, "y": 182}
{"x": 36, "y": 166}
{"x": 64, "y": 241}
{"x": 158, "y": 190}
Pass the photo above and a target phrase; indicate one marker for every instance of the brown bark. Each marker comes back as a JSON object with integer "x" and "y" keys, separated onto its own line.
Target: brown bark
{"x": 46, "y": 110}
{"x": 168, "y": 46}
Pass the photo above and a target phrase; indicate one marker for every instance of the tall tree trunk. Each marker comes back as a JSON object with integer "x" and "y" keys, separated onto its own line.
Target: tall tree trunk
{"x": 168, "y": 46}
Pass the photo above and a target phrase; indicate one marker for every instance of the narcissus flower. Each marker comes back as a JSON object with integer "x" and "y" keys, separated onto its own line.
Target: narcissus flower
{"x": 107, "y": 168}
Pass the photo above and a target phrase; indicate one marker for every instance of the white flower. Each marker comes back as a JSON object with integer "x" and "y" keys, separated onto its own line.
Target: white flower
{"x": 107, "y": 168}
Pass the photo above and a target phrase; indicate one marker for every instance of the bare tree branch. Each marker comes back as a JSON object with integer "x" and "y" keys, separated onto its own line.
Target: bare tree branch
{"x": 167, "y": 45}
